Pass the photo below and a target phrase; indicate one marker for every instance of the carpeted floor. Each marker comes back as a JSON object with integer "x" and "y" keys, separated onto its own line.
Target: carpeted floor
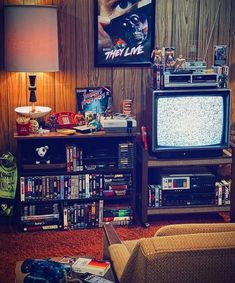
{"x": 15, "y": 246}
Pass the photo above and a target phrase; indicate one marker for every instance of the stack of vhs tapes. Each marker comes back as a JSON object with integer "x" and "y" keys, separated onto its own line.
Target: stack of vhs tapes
{"x": 125, "y": 155}
{"x": 117, "y": 184}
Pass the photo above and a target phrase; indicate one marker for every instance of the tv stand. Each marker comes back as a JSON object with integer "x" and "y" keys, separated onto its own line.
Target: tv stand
{"x": 149, "y": 166}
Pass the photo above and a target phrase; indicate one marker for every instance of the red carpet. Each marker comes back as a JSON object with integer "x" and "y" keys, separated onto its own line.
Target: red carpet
{"x": 15, "y": 246}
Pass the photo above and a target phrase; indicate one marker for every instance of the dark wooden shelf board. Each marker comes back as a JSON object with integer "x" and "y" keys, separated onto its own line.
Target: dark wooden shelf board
{"x": 190, "y": 162}
{"x": 187, "y": 209}
{"x": 53, "y": 135}
{"x": 44, "y": 166}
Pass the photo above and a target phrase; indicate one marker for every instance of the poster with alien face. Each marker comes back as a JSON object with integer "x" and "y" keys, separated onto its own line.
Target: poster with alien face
{"x": 124, "y": 32}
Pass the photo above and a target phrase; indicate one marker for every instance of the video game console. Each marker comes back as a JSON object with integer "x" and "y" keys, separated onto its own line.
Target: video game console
{"x": 119, "y": 123}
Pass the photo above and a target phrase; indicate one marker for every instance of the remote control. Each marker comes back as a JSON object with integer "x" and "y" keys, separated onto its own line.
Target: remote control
{"x": 91, "y": 278}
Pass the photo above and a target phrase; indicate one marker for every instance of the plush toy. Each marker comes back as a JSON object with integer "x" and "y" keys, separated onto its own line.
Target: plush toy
{"x": 42, "y": 155}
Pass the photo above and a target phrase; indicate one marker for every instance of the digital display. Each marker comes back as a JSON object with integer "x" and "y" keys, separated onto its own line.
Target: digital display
{"x": 173, "y": 183}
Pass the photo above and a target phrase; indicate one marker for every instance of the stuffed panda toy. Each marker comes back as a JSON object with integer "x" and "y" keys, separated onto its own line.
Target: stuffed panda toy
{"x": 42, "y": 155}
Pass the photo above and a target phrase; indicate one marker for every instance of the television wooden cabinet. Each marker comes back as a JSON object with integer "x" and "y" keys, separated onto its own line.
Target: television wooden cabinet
{"x": 147, "y": 163}
{"x": 88, "y": 180}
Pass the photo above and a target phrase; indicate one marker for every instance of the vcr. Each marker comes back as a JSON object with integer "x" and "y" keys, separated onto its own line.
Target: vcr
{"x": 203, "y": 182}
{"x": 184, "y": 198}
{"x": 179, "y": 80}
{"x": 188, "y": 189}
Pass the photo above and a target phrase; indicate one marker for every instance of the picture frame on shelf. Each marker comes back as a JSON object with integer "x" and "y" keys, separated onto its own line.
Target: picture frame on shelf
{"x": 123, "y": 33}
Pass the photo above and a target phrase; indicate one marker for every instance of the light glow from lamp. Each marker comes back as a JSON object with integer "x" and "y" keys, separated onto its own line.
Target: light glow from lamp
{"x": 31, "y": 41}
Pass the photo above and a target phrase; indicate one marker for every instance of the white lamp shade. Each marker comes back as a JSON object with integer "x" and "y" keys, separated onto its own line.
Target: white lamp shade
{"x": 31, "y": 38}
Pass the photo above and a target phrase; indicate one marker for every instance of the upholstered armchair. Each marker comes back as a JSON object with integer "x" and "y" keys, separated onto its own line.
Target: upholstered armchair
{"x": 198, "y": 253}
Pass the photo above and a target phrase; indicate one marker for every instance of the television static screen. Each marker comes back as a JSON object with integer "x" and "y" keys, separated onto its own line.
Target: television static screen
{"x": 187, "y": 121}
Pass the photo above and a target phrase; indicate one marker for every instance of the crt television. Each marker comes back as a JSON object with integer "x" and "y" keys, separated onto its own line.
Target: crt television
{"x": 188, "y": 122}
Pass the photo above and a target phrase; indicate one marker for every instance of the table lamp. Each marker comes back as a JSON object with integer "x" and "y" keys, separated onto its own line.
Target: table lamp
{"x": 31, "y": 45}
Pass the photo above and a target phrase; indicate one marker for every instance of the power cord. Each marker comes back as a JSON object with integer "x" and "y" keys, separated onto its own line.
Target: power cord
{"x": 68, "y": 280}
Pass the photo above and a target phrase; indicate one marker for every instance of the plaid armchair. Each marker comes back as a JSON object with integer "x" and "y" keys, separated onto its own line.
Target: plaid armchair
{"x": 184, "y": 253}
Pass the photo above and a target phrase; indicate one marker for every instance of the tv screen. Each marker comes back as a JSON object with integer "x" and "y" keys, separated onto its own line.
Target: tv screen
{"x": 190, "y": 120}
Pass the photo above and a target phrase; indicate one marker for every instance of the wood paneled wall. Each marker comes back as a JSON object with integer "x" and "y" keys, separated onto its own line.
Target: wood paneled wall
{"x": 179, "y": 23}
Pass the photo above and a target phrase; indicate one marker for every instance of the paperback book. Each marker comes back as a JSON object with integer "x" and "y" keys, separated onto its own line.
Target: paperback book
{"x": 91, "y": 265}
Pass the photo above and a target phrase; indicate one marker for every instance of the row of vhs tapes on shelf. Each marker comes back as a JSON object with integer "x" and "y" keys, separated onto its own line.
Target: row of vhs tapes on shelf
{"x": 74, "y": 158}
{"x": 126, "y": 155}
{"x": 95, "y": 158}
{"x": 95, "y": 214}
{"x": 36, "y": 217}
{"x": 39, "y": 217}
{"x": 222, "y": 192}
{"x": 61, "y": 187}
{"x": 78, "y": 160}
{"x": 158, "y": 197}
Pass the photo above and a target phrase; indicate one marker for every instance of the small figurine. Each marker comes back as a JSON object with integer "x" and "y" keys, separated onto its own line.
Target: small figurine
{"x": 108, "y": 113}
{"x": 179, "y": 62}
{"x": 157, "y": 68}
{"x": 79, "y": 119}
{"x": 157, "y": 56}
{"x": 52, "y": 121}
{"x": 94, "y": 125}
{"x": 89, "y": 116}
{"x": 223, "y": 79}
{"x": 169, "y": 57}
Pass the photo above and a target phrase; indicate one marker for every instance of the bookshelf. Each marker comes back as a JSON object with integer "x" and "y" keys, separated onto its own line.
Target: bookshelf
{"x": 148, "y": 164}
{"x": 90, "y": 180}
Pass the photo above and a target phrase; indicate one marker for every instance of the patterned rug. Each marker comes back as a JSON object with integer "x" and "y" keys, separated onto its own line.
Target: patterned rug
{"x": 15, "y": 246}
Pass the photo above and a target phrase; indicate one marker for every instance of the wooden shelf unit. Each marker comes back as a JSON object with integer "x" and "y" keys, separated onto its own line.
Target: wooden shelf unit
{"x": 146, "y": 162}
{"x": 95, "y": 144}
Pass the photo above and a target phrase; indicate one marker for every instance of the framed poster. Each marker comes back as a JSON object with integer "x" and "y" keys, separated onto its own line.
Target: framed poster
{"x": 124, "y": 32}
